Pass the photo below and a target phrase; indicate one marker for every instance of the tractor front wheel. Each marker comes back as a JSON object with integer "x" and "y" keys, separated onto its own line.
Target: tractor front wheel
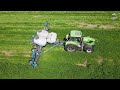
{"x": 70, "y": 48}
{"x": 88, "y": 49}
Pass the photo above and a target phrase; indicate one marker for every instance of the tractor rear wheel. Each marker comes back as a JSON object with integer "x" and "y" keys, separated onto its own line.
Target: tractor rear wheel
{"x": 70, "y": 48}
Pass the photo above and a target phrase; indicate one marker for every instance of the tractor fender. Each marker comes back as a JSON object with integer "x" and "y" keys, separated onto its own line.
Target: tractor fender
{"x": 71, "y": 42}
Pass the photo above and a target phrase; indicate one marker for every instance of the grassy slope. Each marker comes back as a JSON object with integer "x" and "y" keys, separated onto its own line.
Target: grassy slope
{"x": 16, "y": 29}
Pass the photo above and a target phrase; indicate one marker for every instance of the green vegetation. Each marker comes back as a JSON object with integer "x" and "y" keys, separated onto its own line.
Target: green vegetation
{"x": 16, "y": 29}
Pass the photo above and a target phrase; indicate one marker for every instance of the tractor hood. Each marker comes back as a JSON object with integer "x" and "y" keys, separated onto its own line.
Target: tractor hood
{"x": 89, "y": 40}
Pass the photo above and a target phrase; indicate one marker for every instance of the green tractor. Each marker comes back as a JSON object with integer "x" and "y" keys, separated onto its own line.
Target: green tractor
{"x": 75, "y": 41}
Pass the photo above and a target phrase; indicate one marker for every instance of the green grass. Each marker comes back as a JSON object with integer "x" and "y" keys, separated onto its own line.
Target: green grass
{"x": 16, "y": 29}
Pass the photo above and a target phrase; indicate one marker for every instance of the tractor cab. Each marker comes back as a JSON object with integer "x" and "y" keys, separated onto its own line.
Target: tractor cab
{"x": 74, "y": 35}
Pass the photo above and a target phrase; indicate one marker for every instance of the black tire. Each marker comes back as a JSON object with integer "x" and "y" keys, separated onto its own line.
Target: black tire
{"x": 32, "y": 49}
{"x": 88, "y": 49}
{"x": 70, "y": 48}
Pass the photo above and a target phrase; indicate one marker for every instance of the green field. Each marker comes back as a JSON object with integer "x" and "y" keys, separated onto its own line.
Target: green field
{"x": 16, "y": 29}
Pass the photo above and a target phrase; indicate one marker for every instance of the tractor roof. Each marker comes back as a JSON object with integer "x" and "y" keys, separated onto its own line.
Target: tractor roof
{"x": 75, "y": 33}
